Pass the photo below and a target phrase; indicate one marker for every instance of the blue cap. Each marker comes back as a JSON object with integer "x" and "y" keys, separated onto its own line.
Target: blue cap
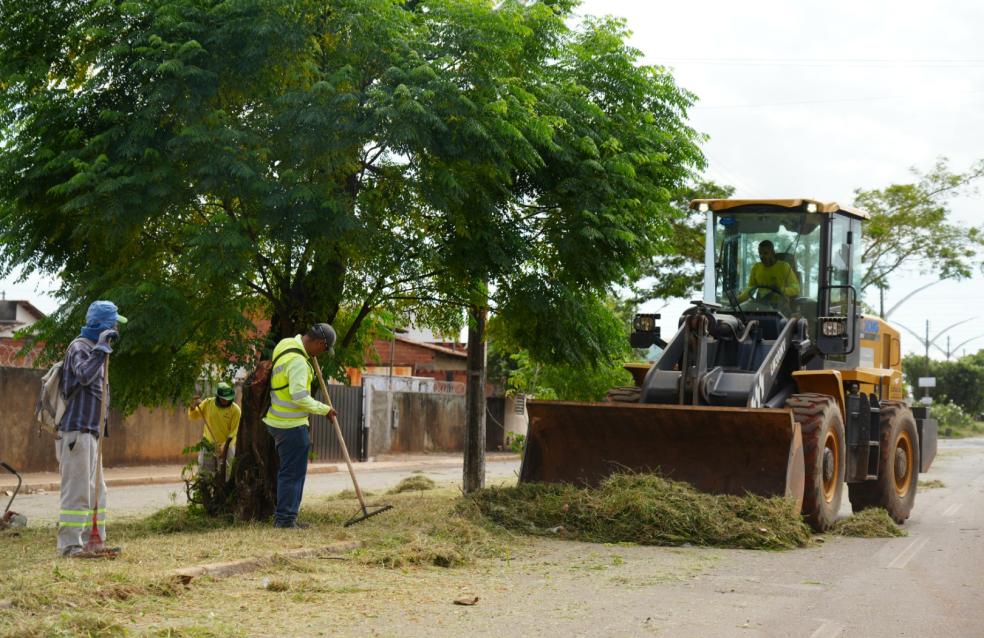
{"x": 103, "y": 315}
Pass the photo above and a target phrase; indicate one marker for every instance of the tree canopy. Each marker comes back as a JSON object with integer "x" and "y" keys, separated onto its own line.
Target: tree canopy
{"x": 911, "y": 224}
{"x": 207, "y": 164}
{"x": 680, "y": 271}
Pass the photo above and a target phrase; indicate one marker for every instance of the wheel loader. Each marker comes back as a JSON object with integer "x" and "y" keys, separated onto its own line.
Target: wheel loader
{"x": 776, "y": 387}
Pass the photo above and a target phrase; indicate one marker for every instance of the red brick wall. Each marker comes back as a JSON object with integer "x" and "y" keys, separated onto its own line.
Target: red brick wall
{"x": 424, "y": 362}
{"x": 9, "y": 357}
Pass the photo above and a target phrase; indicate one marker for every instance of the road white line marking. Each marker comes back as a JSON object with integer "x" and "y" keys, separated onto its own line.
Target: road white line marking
{"x": 829, "y": 629}
{"x": 907, "y": 554}
{"x": 953, "y": 509}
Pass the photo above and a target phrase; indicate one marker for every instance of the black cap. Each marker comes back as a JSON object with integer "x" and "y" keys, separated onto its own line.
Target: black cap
{"x": 326, "y": 333}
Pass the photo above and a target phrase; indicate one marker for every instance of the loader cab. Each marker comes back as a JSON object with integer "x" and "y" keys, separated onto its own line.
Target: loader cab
{"x": 819, "y": 245}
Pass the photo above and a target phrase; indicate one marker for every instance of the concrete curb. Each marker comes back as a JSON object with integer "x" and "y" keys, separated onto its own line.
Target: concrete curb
{"x": 129, "y": 481}
{"x": 222, "y": 570}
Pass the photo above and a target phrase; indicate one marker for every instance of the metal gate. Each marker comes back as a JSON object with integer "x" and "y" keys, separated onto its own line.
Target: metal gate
{"x": 348, "y": 403}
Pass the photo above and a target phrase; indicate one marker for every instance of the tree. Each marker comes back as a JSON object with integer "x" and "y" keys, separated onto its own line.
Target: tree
{"x": 207, "y": 163}
{"x": 960, "y": 382}
{"x": 519, "y": 371}
{"x": 680, "y": 271}
{"x": 911, "y": 224}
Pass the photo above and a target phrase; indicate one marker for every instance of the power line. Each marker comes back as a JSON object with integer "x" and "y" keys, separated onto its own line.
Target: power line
{"x": 898, "y": 98}
{"x": 935, "y": 63}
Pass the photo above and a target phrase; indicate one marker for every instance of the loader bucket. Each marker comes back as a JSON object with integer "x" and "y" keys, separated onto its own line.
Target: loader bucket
{"x": 717, "y": 450}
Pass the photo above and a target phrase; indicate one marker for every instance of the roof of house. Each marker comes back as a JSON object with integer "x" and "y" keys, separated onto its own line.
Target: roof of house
{"x": 434, "y": 347}
{"x": 26, "y": 305}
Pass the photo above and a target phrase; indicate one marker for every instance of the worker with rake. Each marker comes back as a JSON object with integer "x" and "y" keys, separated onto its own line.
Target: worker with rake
{"x": 85, "y": 386}
{"x": 287, "y": 419}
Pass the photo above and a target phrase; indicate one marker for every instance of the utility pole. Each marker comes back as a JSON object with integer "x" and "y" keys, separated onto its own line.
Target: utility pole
{"x": 474, "y": 466}
{"x": 926, "y": 390}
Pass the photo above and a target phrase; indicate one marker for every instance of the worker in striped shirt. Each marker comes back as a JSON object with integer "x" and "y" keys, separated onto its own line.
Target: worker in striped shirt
{"x": 76, "y": 445}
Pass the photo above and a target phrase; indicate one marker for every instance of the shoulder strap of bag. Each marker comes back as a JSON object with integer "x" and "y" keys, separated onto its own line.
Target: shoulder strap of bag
{"x": 274, "y": 363}
{"x": 78, "y": 386}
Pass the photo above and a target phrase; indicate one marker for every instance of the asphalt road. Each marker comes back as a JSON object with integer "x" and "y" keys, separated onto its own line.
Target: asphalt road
{"x": 42, "y": 509}
{"x": 929, "y": 583}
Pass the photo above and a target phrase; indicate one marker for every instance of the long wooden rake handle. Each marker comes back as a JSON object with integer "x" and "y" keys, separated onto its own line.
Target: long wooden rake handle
{"x": 338, "y": 432}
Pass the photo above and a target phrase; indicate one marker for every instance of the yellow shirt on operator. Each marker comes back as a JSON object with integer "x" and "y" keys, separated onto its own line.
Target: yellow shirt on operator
{"x": 779, "y": 275}
{"x": 220, "y": 423}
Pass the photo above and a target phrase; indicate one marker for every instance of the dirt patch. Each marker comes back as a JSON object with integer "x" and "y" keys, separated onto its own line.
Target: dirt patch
{"x": 645, "y": 509}
{"x": 931, "y": 485}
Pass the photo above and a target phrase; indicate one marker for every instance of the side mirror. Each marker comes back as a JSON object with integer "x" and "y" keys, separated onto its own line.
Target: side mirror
{"x": 645, "y": 332}
{"x": 836, "y": 332}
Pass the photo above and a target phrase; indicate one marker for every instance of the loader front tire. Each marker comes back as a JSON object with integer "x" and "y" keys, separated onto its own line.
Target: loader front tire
{"x": 898, "y": 467}
{"x": 822, "y": 427}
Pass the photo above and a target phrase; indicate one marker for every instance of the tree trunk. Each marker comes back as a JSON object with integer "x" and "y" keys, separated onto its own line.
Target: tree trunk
{"x": 256, "y": 456}
{"x": 474, "y": 472}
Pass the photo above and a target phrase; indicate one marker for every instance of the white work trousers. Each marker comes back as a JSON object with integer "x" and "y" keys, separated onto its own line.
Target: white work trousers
{"x": 81, "y": 470}
{"x": 208, "y": 463}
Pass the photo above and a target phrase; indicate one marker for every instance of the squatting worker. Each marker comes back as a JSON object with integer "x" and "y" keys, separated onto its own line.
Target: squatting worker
{"x": 771, "y": 272}
{"x": 79, "y": 431}
{"x": 221, "y": 416}
{"x": 287, "y": 418}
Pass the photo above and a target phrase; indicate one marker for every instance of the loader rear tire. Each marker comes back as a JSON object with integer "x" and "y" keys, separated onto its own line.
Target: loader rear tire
{"x": 822, "y": 427}
{"x": 898, "y": 467}
{"x": 624, "y": 394}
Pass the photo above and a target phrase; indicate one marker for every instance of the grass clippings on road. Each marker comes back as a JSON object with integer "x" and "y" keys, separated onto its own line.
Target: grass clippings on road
{"x": 645, "y": 509}
{"x": 870, "y": 523}
{"x": 931, "y": 484}
{"x": 415, "y": 483}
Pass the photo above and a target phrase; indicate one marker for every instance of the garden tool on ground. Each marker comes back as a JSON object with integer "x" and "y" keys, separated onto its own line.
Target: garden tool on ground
{"x": 10, "y": 518}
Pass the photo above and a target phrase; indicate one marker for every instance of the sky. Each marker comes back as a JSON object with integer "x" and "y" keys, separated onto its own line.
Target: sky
{"x": 810, "y": 99}
{"x": 816, "y": 99}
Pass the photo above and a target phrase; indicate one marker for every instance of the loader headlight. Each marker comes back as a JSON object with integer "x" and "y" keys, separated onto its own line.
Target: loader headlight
{"x": 833, "y": 326}
{"x": 811, "y": 207}
{"x": 644, "y": 323}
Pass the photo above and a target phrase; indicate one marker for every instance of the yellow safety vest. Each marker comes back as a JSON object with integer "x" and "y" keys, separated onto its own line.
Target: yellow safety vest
{"x": 284, "y": 411}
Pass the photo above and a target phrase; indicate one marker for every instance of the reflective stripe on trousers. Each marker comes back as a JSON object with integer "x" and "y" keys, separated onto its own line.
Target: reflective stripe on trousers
{"x": 78, "y": 465}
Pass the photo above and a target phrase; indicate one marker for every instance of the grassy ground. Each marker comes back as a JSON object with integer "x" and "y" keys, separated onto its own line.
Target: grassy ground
{"x": 49, "y": 596}
{"x": 962, "y": 430}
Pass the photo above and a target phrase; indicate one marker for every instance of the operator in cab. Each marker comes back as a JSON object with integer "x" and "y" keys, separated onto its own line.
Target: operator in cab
{"x": 771, "y": 273}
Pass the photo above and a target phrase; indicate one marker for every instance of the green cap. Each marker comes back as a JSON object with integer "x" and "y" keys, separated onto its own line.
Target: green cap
{"x": 225, "y": 391}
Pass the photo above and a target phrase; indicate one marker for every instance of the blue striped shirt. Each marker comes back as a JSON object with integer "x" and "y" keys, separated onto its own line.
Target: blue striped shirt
{"x": 82, "y": 373}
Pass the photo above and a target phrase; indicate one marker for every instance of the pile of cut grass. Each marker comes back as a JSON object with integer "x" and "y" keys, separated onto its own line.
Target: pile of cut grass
{"x": 870, "y": 523}
{"x": 432, "y": 529}
{"x": 931, "y": 484}
{"x": 176, "y": 520}
{"x": 415, "y": 483}
{"x": 646, "y": 509}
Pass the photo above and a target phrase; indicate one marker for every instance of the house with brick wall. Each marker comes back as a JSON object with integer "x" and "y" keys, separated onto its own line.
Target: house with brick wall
{"x": 409, "y": 358}
{"x": 16, "y": 314}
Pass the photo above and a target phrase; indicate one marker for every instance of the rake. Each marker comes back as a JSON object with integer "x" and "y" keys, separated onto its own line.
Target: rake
{"x": 366, "y": 512}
